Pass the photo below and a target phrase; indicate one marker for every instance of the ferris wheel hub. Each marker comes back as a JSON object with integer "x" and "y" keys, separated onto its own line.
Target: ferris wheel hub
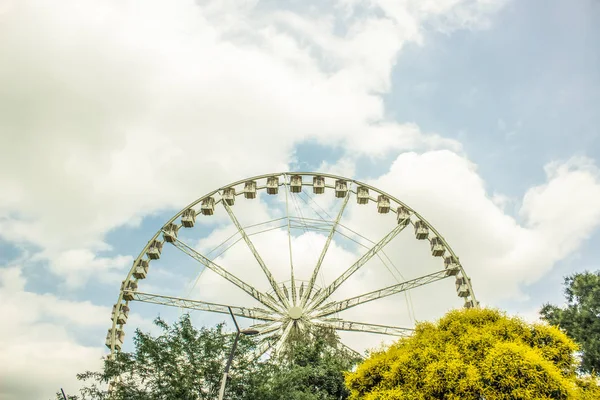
{"x": 295, "y": 312}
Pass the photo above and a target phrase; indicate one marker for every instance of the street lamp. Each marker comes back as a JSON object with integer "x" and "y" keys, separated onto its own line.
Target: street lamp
{"x": 246, "y": 332}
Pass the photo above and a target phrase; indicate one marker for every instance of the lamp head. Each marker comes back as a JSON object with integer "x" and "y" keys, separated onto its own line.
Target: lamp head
{"x": 249, "y": 332}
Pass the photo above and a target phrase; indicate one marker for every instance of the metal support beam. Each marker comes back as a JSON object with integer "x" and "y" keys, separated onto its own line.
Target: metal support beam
{"x": 315, "y": 273}
{"x": 338, "y": 306}
{"x": 253, "y": 313}
{"x": 257, "y": 256}
{"x": 342, "y": 325}
{"x": 251, "y": 290}
{"x": 287, "y": 213}
{"x": 284, "y": 336}
{"x": 328, "y": 291}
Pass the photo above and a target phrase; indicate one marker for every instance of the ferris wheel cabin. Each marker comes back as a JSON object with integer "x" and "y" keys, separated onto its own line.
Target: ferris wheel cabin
{"x": 383, "y": 204}
{"x": 250, "y": 190}
{"x": 170, "y": 233}
{"x": 119, "y": 338}
{"x": 229, "y": 196}
{"x": 188, "y": 218}
{"x": 208, "y": 206}
{"x": 341, "y": 188}
{"x": 273, "y": 185}
{"x": 141, "y": 269}
{"x": 121, "y": 313}
{"x": 296, "y": 184}
{"x": 318, "y": 185}
{"x": 154, "y": 250}
{"x": 421, "y": 230}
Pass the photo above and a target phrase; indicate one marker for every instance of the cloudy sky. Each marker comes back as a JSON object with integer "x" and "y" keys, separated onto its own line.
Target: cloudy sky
{"x": 480, "y": 114}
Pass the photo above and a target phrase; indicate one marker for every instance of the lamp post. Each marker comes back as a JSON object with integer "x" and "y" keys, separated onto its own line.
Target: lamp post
{"x": 247, "y": 332}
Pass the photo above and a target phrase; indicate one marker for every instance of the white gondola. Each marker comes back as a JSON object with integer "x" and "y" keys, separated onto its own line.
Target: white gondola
{"x": 188, "y": 218}
{"x": 341, "y": 188}
{"x": 170, "y": 233}
{"x": 451, "y": 265}
{"x": 229, "y": 196}
{"x": 421, "y": 230}
{"x": 402, "y": 216}
{"x": 141, "y": 269}
{"x": 250, "y": 190}
{"x": 296, "y": 184}
{"x": 437, "y": 247}
{"x": 462, "y": 289}
{"x": 272, "y": 185}
{"x": 383, "y": 204}
{"x": 471, "y": 303}
{"x": 154, "y": 250}
{"x": 208, "y": 206}
{"x": 318, "y": 185}
{"x": 121, "y": 313}
{"x": 362, "y": 195}
{"x": 119, "y": 338}
{"x": 128, "y": 288}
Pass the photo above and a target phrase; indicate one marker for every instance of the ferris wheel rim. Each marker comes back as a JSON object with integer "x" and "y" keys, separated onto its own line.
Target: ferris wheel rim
{"x": 358, "y": 183}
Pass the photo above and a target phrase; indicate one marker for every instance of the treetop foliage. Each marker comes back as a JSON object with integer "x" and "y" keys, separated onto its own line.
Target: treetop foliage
{"x": 474, "y": 354}
{"x": 186, "y": 363}
{"x": 580, "y": 319}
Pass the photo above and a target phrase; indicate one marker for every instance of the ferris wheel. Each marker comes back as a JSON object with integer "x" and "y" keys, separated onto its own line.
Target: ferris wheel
{"x": 292, "y": 295}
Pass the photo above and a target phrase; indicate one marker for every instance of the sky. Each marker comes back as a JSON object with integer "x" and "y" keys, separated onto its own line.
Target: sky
{"x": 482, "y": 115}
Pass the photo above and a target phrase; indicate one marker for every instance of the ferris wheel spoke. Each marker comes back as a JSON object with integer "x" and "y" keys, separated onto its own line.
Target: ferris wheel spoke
{"x": 253, "y": 313}
{"x": 352, "y": 351}
{"x": 343, "y": 325}
{"x": 338, "y": 306}
{"x": 262, "y": 348}
{"x": 315, "y": 273}
{"x": 267, "y": 328}
{"x": 251, "y": 290}
{"x": 257, "y": 256}
{"x": 328, "y": 291}
{"x": 281, "y": 341}
{"x": 289, "y": 231}
{"x": 270, "y": 338}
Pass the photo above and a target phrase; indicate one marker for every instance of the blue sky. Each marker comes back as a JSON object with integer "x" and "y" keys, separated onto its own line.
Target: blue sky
{"x": 513, "y": 94}
{"x": 481, "y": 115}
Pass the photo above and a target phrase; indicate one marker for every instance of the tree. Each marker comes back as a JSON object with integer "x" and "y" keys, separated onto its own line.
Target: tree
{"x": 474, "y": 354}
{"x": 311, "y": 367}
{"x": 580, "y": 319}
{"x": 183, "y": 362}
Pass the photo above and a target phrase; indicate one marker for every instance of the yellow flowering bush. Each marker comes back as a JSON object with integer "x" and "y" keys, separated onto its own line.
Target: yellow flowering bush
{"x": 474, "y": 354}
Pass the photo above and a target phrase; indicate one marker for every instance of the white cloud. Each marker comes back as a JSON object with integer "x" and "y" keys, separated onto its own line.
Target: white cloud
{"x": 38, "y": 337}
{"x": 77, "y": 266}
{"x": 42, "y": 339}
{"x": 112, "y": 111}
{"x": 344, "y": 167}
{"x": 499, "y": 252}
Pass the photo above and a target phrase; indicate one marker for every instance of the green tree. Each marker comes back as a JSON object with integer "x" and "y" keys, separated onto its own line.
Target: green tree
{"x": 183, "y": 362}
{"x": 180, "y": 363}
{"x": 311, "y": 368}
{"x": 474, "y": 354}
{"x": 580, "y": 319}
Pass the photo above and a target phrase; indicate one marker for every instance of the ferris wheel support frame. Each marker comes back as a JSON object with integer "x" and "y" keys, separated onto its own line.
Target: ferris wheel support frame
{"x": 315, "y": 312}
